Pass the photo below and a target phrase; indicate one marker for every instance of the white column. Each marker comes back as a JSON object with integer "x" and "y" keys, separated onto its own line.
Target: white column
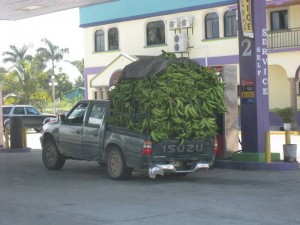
{"x": 105, "y": 91}
{"x": 293, "y": 97}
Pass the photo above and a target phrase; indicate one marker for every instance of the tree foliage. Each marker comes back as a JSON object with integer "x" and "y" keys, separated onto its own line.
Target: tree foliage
{"x": 26, "y": 81}
{"x": 79, "y": 81}
{"x": 63, "y": 84}
{"x": 16, "y": 54}
{"x": 51, "y": 53}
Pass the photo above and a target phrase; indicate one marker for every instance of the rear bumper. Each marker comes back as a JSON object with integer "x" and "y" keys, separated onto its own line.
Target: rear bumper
{"x": 160, "y": 169}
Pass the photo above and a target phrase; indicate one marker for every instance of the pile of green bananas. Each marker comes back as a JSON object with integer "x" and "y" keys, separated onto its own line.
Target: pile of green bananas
{"x": 180, "y": 102}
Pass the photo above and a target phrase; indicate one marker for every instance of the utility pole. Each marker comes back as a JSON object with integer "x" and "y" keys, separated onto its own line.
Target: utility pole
{"x": 53, "y": 83}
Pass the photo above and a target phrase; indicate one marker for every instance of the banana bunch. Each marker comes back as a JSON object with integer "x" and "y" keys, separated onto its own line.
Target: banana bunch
{"x": 180, "y": 102}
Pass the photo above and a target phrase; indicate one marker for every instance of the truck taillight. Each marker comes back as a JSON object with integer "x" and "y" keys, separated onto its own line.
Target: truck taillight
{"x": 215, "y": 145}
{"x": 147, "y": 148}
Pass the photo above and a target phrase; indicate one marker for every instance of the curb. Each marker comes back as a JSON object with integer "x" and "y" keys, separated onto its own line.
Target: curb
{"x": 273, "y": 166}
{"x": 14, "y": 150}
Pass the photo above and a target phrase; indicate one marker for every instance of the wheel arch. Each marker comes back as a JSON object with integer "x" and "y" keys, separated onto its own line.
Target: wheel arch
{"x": 52, "y": 158}
{"x": 109, "y": 147}
{"x": 48, "y": 136}
{"x": 5, "y": 122}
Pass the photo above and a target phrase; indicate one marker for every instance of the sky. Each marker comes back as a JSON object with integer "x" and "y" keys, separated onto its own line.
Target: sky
{"x": 61, "y": 28}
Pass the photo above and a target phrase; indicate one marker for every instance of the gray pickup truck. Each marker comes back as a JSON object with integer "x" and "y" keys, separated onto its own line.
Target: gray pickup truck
{"x": 83, "y": 133}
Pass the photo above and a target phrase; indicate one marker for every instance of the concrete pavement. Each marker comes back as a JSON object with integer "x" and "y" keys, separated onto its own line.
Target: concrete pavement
{"x": 81, "y": 193}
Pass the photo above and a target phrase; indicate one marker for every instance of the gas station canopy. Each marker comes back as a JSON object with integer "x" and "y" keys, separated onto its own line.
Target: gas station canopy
{"x": 16, "y": 9}
{"x": 21, "y": 9}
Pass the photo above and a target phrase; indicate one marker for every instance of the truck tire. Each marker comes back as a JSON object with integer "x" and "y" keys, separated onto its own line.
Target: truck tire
{"x": 52, "y": 159}
{"x": 116, "y": 165}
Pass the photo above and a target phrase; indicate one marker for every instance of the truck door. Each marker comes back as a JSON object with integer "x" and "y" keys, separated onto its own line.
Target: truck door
{"x": 93, "y": 132}
{"x": 70, "y": 131}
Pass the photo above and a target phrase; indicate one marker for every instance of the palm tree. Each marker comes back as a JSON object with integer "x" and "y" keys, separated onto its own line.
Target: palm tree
{"x": 15, "y": 55}
{"x": 51, "y": 53}
{"x": 54, "y": 54}
{"x": 13, "y": 79}
{"x": 25, "y": 79}
{"x": 79, "y": 64}
{"x": 2, "y": 73}
{"x": 79, "y": 82}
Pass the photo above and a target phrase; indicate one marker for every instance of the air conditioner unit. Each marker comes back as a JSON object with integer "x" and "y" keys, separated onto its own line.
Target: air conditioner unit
{"x": 180, "y": 42}
{"x": 174, "y": 24}
{"x": 186, "y": 22}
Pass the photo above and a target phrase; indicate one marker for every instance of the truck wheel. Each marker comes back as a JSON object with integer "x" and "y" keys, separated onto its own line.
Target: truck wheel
{"x": 116, "y": 165}
{"x": 52, "y": 159}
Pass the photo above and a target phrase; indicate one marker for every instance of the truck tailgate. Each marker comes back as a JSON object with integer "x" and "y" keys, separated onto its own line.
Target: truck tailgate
{"x": 190, "y": 149}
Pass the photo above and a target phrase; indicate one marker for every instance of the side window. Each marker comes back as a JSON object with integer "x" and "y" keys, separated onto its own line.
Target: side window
{"x": 31, "y": 110}
{"x": 155, "y": 33}
{"x": 77, "y": 115}
{"x": 113, "y": 39}
{"x": 99, "y": 41}
{"x": 230, "y": 24}
{"x": 212, "y": 26}
{"x": 19, "y": 110}
{"x": 6, "y": 110}
{"x": 96, "y": 115}
{"x": 279, "y": 20}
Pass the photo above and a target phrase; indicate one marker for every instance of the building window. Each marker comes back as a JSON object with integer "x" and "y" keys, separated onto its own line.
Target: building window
{"x": 230, "y": 24}
{"x": 113, "y": 39}
{"x": 212, "y": 26}
{"x": 155, "y": 33}
{"x": 99, "y": 41}
{"x": 279, "y": 20}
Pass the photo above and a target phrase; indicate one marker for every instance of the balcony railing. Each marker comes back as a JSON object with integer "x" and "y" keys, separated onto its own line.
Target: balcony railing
{"x": 284, "y": 38}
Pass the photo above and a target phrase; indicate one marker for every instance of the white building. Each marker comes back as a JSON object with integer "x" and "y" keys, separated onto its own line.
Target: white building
{"x": 118, "y": 33}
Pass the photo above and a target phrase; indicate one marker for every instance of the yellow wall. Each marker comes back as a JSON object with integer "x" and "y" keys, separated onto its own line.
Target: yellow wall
{"x": 132, "y": 39}
{"x": 279, "y": 87}
{"x": 90, "y": 91}
{"x": 294, "y": 21}
{"x": 288, "y": 60}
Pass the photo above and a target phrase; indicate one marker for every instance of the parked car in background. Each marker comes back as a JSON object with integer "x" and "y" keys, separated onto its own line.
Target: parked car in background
{"x": 31, "y": 117}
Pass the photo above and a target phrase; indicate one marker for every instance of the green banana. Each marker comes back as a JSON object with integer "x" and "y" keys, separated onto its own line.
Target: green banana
{"x": 180, "y": 101}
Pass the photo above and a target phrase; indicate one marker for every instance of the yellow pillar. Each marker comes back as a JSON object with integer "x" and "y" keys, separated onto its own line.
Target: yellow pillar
{"x": 287, "y": 137}
{"x": 6, "y": 132}
{"x": 24, "y": 137}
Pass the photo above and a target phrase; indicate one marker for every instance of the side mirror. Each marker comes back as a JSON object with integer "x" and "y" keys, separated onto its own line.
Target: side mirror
{"x": 62, "y": 118}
